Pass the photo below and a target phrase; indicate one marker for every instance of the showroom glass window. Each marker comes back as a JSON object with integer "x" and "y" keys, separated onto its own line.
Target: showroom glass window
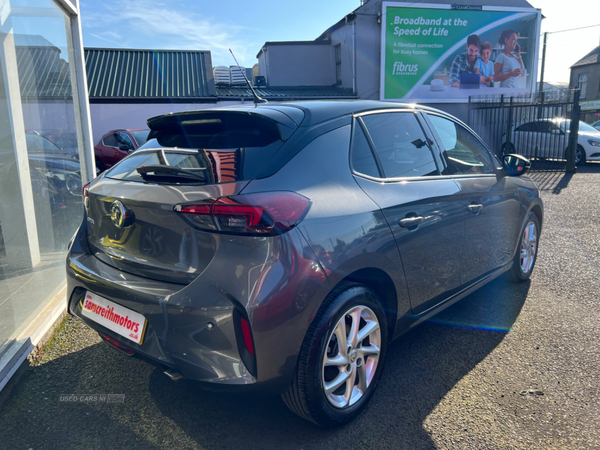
{"x": 40, "y": 176}
{"x": 401, "y": 145}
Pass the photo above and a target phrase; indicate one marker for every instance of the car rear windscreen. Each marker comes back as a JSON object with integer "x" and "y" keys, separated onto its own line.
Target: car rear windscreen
{"x": 214, "y": 165}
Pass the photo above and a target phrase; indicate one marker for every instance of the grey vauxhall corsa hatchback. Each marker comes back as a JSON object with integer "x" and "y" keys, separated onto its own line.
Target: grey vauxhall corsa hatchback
{"x": 282, "y": 247}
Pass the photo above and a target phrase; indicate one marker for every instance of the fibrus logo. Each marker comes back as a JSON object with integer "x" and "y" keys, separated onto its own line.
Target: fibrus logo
{"x": 404, "y": 69}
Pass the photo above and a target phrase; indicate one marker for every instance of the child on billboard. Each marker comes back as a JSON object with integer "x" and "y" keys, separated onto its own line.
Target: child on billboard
{"x": 485, "y": 66}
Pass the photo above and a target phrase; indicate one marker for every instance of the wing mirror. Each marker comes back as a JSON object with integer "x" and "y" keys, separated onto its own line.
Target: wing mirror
{"x": 516, "y": 165}
{"x": 125, "y": 148}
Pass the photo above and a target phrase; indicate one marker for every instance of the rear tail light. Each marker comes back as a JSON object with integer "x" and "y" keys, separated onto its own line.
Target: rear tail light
{"x": 266, "y": 213}
{"x": 86, "y": 200}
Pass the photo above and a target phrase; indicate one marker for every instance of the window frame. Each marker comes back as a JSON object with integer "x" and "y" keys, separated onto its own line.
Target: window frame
{"x": 431, "y": 143}
{"x": 337, "y": 56}
{"x": 582, "y": 80}
{"x": 497, "y": 170}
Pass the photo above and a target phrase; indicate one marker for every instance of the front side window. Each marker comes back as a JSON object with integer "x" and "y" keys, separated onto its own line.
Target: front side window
{"x": 110, "y": 140}
{"x": 124, "y": 140}
{"x": 463, "y": 153}
{"x": 527, "y": 127}
{"x": 401, "y": 145}
{"x": 140, "y": 136}
{"x": 544, "y": 127}
{"x": 37, "y": 143}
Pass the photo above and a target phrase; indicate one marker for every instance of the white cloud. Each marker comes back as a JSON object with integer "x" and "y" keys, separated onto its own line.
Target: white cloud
{"x": 160, "y": 25}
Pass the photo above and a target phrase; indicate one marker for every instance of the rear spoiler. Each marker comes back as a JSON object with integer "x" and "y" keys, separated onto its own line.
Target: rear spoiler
{"x": 221, "y": 128}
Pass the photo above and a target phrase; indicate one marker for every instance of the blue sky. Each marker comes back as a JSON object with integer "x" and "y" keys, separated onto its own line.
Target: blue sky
{"x": 244, "y": 26}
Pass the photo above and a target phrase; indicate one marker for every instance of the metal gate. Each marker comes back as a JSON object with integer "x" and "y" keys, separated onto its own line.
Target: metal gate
{"x": 538, "y": 128}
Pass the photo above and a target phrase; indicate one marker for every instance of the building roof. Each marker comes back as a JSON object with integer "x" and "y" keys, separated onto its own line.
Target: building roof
{"x": 42, "y": 73}
{"x": 149, "y": 74}
{"x": 591, "y": 58}
{"x": 176, "y": 76}
{"x": 285, "y": 93}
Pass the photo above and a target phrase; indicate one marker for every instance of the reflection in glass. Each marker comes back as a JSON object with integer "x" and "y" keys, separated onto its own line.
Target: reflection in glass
{"x": 40, "y": 175}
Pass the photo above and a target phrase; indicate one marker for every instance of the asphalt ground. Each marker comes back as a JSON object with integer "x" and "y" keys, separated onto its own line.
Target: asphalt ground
{"x": 509, "y": 367}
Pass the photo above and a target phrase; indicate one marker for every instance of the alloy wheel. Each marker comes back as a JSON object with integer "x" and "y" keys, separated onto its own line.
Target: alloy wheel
{"x": 352, "y": 356}
{"x": 528, "y": 247}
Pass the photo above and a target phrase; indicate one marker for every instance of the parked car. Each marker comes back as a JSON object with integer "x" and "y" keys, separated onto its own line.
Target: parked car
{"x": 280, "y": 248}
{"x": 55, "y": 182}
{"x": 38, "y": 144}
{"x": 64, "y": 139}
{"x": 596, "y": 125}
{"x": 116, "y": 145}
{"x": 549, "y": 138}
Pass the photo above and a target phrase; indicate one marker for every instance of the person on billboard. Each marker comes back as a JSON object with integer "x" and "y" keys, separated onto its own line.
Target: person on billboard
{"x": 508, "y": 66}
{"x": 465, "y": 62}
{"x": 486, "y": 67}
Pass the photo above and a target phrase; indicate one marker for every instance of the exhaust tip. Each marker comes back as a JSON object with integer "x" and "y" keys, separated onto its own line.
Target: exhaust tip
{"x": 175, "y": 376}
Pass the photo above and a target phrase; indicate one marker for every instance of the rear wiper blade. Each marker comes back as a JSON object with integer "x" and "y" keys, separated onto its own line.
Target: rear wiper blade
{"x": 158, "y": 170}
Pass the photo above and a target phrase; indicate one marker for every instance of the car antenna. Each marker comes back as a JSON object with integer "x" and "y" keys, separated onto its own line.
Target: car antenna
{"x": 257, "y": 99}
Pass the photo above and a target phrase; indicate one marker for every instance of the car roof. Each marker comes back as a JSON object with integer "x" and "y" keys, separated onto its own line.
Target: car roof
{"x": 125, "y": 129}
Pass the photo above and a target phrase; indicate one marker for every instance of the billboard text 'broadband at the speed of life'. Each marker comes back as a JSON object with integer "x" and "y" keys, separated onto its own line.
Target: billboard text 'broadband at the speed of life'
{"x": 445, "y": 53}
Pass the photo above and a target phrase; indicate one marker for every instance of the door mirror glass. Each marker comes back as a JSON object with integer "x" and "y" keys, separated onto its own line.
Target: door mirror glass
{"x": 516, "y": 165}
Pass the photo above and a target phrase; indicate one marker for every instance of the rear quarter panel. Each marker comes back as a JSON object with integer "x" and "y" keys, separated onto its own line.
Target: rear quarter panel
{"x": 344, "y": 228}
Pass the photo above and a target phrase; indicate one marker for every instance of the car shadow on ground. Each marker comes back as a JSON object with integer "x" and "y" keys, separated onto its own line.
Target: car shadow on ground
{"x": 421, "y": 368}
{"x": 556, "y": 180}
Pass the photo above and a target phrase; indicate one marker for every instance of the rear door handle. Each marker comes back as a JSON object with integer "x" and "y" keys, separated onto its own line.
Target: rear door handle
{"x": 410, "y": 222}
{"x": 475, "y": 208}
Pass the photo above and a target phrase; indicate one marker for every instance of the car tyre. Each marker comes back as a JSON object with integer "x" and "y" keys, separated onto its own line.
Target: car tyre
{"x": 526, "y": 254}
{"x": 580, "y": 157}
{"x": 355, "y": 366}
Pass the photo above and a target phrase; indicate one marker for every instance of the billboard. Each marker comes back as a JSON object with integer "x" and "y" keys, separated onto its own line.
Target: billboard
{"x": 445, "y": 53}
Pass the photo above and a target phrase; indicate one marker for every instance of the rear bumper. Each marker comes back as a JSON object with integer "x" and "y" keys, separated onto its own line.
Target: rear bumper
{"x": 197, "y": 340}
{"x": 191, "y": 328}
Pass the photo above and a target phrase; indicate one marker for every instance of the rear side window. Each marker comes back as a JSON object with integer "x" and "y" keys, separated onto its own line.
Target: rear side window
{"x": 363, "y": 160}
{"x": 401, "y": 145}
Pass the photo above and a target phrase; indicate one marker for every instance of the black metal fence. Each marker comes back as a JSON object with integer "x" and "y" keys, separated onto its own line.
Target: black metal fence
{"x": 537, "y": 127}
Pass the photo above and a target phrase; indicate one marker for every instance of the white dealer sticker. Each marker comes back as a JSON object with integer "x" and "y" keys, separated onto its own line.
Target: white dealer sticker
{"x": 117, "y": 318}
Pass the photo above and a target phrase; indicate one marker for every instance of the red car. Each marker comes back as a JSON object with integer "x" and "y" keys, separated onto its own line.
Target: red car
{"x": 116, "y": 145}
